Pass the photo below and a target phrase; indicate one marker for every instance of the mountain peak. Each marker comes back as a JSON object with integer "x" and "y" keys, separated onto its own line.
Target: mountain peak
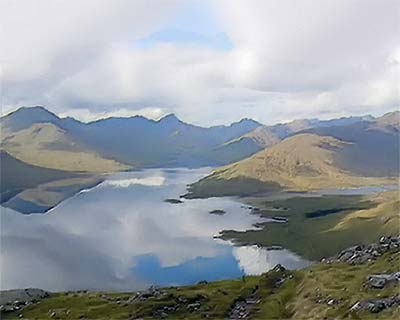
{"x": 247, "y": 123}
{"x": 36, "y": 111}
{"x": 170, "y": 118}
{"x": 24, "y": 117}
{"x": 390, "y": 119}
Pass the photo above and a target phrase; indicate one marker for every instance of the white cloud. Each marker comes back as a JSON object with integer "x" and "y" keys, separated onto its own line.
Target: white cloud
{"x": 87, "y": 115}
{"x": 288, "y": 59}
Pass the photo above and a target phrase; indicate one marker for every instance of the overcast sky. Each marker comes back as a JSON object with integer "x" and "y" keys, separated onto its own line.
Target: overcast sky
{"x": 210, "y": 62}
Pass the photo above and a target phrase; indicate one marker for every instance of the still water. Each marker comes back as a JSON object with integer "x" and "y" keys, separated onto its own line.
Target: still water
{"x": 122, "y": 235}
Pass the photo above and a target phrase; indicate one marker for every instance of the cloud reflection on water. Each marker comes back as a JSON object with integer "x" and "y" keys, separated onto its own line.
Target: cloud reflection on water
{"x": 96, "y": 239}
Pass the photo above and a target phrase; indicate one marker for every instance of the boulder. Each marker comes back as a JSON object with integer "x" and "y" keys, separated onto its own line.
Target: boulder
{"x": 279, "y": 268}
{"x": 379, "y": 281}
{"x": 376, "y": 305}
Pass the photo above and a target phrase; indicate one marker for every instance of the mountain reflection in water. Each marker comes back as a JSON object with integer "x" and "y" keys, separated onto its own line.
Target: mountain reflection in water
{"x": 122, "y": 235}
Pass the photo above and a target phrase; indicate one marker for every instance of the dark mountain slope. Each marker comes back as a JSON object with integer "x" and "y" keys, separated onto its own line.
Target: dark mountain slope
{"x": 167, "y": 142}
{"x": 373, "y": 148}
{"x": 17, "y": 175}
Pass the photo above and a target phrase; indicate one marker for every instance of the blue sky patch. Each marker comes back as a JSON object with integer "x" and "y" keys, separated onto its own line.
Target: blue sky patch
{"x": 219, "y": 41}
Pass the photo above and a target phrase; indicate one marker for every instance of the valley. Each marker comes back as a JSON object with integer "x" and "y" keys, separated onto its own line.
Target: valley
{"x": 191, "y": 209}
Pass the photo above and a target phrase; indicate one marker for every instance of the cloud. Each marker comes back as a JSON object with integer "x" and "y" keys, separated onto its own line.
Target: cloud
{"x": 276, "y": 60}
{"x": 46, "y": 43}
{"x": 88, "y": 115}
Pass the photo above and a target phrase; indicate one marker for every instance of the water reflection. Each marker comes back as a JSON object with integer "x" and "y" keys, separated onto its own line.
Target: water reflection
{"x": 254, "y": 260}
{"x": 121, "y": 235}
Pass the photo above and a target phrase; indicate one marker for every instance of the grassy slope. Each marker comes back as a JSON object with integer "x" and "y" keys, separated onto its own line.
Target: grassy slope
{"x": 303, "y": 162}
{"x": 296, "y": 298}
{"x": 385, "y": 215}
{"x": 321, "y": 226}
{"x": 49, "y": 146}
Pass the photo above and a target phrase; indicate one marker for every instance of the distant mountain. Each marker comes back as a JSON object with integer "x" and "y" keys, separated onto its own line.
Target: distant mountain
{"x": 142, "y": 142}
{"x": 25, "y": 117}
{"x": 117, "y": 143}
{"x": 372, "y": 148}
{"x": 389, "y": 122}
{"x": 266, "y": 136}
{"x": 361, "y": 153}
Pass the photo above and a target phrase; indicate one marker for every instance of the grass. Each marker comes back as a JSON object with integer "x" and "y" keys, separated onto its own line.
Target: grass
{"x": 216, "y": 300}
{"x": 312, "y": 230}
{"x": 345, "y": 283}
{"x": 210, "y": 187}
{"x": 297, "y": 298}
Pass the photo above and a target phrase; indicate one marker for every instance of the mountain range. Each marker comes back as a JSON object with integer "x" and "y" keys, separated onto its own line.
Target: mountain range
{"x": 38, "y": 136}
{"x": 360, "y": 153}
{"x": 299, "y": 155}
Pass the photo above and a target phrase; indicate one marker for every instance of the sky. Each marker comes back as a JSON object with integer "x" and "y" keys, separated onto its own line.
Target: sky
{"x": 209, "y": 62}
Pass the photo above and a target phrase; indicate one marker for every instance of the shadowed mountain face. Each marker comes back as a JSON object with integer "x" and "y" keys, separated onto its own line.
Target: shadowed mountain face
{"x": 168, "y": 142}
{"x": 25, "y": 117}
{"x": 373, "y": 148}
{"x": 134, "y": 141}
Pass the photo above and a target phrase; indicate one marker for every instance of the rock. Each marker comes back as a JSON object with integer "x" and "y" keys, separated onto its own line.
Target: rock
{"x": 279, "y": 268}
{"x": 273, "y": 248}
{"x": 219, "y": 212}
{"x": 152, "y": 292}
{"x": 202, "y": 282}
{"x": 14, "y": 300}
{"x": 181, "y": 299}
{"x": 379, "y": 281}
{"x": 242, "y": 307}
{"x": 173, "y": 201}
{"x": 363, "y": 254}
{"x": 53, "y": 314}
{"x": 193, "y": 306}
{"x": 332, "y": 302}
{"x": 376, "y": 305}
{"x": 280, "y": 219}
{"x": 279, "y": 282}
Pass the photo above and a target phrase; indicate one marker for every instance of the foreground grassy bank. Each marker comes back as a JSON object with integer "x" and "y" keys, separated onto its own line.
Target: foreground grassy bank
{"x": 322, "y": 291}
